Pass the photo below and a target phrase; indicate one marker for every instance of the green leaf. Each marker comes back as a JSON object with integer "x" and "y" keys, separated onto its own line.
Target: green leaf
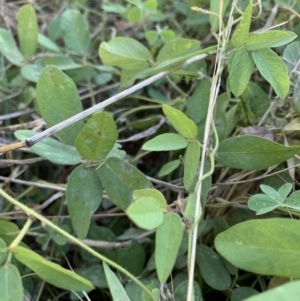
{"x": 169, "y": 167}
{"x": 271, "y": 192}
{"x": 262, "y": 203}
{"x": 241, "y": 32}
{"x": 61, "y": 62}
{"x": 97, "y": 138}
{"x": 212, "y": 268}
{"x": 268, "y": 247}
{"x": 287, "y": 292}
{"x": 51, "y": 149}
{"x": 253, "y": 152}
{"x": 293, "y": 201}
{"x": 284, "y": 191}
{"x": 191, "y": 163}
{"x": 8, "y": 48}
{"x": 94, "y": 273}
{"x": 272, "y": 38}
{"x": 51, "y": 272}
{"x": 3, "y": 252}
{"x": 135, "y": 292}
{"x": 239, "y": 77}
{"x": 198, "y": 103}
{"x": 83, "y": 202}
{"x": 120, "y": 179}
{"x": 32, "y": 72}
{"x": 177, "y": 48}
{"x": 76, "y": 32}
{"x": 242, "y": 292}
{"x": 167, "y": 242}
{"x": 125, "y": 53}
{"x": 116, "y": 289}
{"x": 47, "y": 43}
{"x": 291, "y": 55}
{"x": 8, "y": 228}
{"x": 273, "y": 70}
{"x": 165, "y": 142}
{"x": 181, "y": 291}
{"x": 134, "y": 14}
{"x": 182, "y": 124}
{"x": 132, "y": 258}
{"x": 257, "y": 100}
{"x": 153, "y": 193}
{"x": 11, "y": 286}
{"x": 27, "y": 30}
{"x": 57, "y": 99}
{"x": 146, "y": 213}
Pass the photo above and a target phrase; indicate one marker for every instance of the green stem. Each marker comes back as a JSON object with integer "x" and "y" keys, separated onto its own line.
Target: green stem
{"x": 45, "y": 221}
{"x": 22, "y": 233}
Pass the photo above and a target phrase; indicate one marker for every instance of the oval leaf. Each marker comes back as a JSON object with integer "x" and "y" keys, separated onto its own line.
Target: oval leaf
{"x": 272, "y": 38}
{"x": 268, "y": 247}
{"x": 167, "y": 242}
{"x": 253, "y": 153}
{"x": 273, "y": 69}
{"x": 83, "y": 202}
{"x": 241, "y": 32}
{"x": 8, "y": 48}
{"x": 76, "y": 32}
{"x": 57, "y": 99}
{"x": 97, "y": 138}
{"x": 191, "y": 163}
{"x": 11, "y": 286}
{"x": 177, "y": 48}
{"x": 212, "y": 268}
{"x": 166, "y": 142}
{"x": 182, "y": 124}
{"x": 293, "y": 201}
{"x": 239, "y": 77}
{"x": 262, "y": 203}
{"x": 51, "y": 149}
{"x": 120, "y": 179}
{"x": 146, "y": 213}
{"x": 51, "y": 272}
{"x": 125, "y": 53}
{"x": 153, "y": 193}
{"x": 27, "y": 30}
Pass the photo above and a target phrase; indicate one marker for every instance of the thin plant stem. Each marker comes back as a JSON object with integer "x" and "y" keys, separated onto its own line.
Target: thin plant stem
{"x": 208, "y": 123}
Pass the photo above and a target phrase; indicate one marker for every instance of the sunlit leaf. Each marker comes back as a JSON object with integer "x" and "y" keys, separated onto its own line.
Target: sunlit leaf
{"x": 27, "y": 29}
{"x": 146, "y": 213}
{"x": 183, "y": 125}
{"x": 166, "y": 142}
{"x": 97, "y": 138}
{"x": 76, "y": 32}
{"x": 273, "y": 70}
{"x": 268, "y": 247}
{"x": 9, "y": 49}
{"x": 51, "y": 272}
{"x": 116, "y": 289}
{"x": 167, "y": 242}
{"x": 253, "y": 153}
